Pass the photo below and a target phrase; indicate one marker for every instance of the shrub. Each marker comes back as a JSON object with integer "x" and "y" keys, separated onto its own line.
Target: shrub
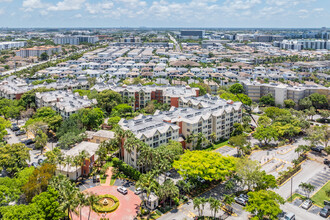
{"x": 100, "y": 208}
{"x": 126, "y": 169}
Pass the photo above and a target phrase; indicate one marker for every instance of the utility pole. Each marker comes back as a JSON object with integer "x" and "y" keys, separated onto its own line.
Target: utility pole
{"x": 291, "y": 188}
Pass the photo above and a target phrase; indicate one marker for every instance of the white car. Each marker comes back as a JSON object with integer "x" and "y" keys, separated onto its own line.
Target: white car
{"x": 137, "y": 191}
{"x": 307, "y": 204}
{"x": 122, "y": 190}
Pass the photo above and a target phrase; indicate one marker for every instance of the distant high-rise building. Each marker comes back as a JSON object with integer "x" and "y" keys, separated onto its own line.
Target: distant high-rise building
{"x": 75, "y": 40}
{"x": 192, "y": 34}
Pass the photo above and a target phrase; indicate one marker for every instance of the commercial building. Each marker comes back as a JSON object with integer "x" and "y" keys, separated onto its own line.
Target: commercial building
{"x": 192, "y": 34}
{"x": 37, "y": 51}
{"x": 268, "y": 38}
{"x": 281, "y": 92}
{"x": 209, "y": 115}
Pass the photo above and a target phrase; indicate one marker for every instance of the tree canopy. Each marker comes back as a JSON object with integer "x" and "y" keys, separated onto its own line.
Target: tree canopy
{"x": 207, "y": 165}
{"x": 230, "y": 96}
{"x": 236, "y": 88}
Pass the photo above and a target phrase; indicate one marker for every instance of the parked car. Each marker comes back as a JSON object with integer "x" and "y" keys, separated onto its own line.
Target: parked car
{"x": 168, "y": 174}
{"x": 27, "y": 142}
{"x": 20, "y": 132}
{"x": 307, "y": 204}
{"x": 15, "y": 128}
{"x": 34, "y": 164}
{"x": 290, "y": 216}
{"x": 122, "y": 190}
{"x": 40, "y": 161}
{"x": 317, "y": 149}
{"x": 242, "y": 199}
{"x": 96, "y": 178}
{"x": 326, "y": 161}
{"x": 137, "y": 191}
{"x": 325, "y": 211}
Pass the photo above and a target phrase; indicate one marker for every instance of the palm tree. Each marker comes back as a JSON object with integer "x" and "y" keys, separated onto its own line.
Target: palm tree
{"x": 197, "y": 205}
{"x": 83, "y": 156}
{"x": 92, "y": 199}
{"x": 228, "y": 200}
{"x": 82, "y": 201}
{"x": 68, "y": 162}
{"x": 215, "y": 205}
{"x": 129, "y": 146}
{"x": 148, "y": 183}
{"x": 203, "y": 202}
{"x": 76, "y": 162}
{"x": 200, "y": 140}
{"x": 172, "y": 189}
{"x": 213, "y": 137}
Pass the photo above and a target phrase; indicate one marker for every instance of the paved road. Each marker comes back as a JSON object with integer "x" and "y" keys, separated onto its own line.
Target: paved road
{"x": 300, "y": 213}
{"x": 177, "y": 45}
{"x": 309, "y": 169}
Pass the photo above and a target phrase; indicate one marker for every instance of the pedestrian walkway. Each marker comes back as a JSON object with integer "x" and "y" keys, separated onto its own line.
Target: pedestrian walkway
{"x": 109, "y": 175}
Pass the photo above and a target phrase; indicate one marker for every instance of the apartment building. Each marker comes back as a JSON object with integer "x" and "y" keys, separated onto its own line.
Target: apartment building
{"x": 281, "y": 92}
{"x": 12, "y": 44}
{"x": 37, "y": 51}
{"x": 139, "y": 96}
{"x": 205, "y": 114}
{"x": 63, "y": 102}
{"x": 303, "y": 44}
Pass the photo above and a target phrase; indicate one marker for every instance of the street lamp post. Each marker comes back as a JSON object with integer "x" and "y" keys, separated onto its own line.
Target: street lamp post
{"x": 291, "y": 188}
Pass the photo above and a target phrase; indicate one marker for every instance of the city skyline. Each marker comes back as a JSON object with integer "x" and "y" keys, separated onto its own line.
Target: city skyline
{"x": 189, "y": 13}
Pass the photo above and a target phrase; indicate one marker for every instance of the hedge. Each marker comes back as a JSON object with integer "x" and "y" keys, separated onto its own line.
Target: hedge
{"x": 99, "y": 208}
{"x": 126, "y": 169}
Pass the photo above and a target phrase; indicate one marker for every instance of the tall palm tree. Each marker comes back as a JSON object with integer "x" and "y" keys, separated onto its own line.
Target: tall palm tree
{"x": 172, "y": 190}
{"x": 201, "y": 139}
{"x": 92, "y": 199}
{"x": 83, "y": 156}
{"x": 68, "y": 162}
{"x": 76, "y": 162}
{"x": 82, "y": 201}
{"x": 148, "y": 183}
{"x": 203, "y": 203}
{"x": 197, "y": 205}
{"x": 129, "y": 146}
{"x": 215, "y": 205}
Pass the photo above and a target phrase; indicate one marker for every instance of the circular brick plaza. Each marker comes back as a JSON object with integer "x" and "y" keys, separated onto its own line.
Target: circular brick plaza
{"x": 127, "y": 210}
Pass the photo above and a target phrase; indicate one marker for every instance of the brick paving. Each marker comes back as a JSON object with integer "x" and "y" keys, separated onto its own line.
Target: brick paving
{"x": 108, "y": 179}
{"x": 127, "y": 210}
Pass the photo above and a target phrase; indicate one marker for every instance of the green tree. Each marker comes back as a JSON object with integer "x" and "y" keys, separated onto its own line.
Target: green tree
{"x": 38, "y": 181}
{"x": 267, "y": 100}
{"x": 108, "y": 99}
{"x": 203, "y": 88}
{"x": 197, "y": 205}
{"x": 264, "y": 121}
{"x": 305, "y": 103}
{"x": 207, "y": 165}
{"x": 236, "y": 98}
{"x": 215, "y": 205}
{"x": 264, "y": 203}
{"x": 265, "y": 134}
{"x": 238, "y": 129}
{"x": 239, "y": 142}
{"x": 18, "y": 212}
{"x": 13, "y": 158}
{"x": 3, "y": 125}
{"x": 91, "y": 118}
{"x": 289, "y": 103}
{"x": 122, "y": 109}
{"x": 40, "y": 140}
{"x": 48, "y": 203}
{"x": 318, "y": 101}
{"x": 307, "y": 188}
{"x": 324, "y": 113}
{"x": 44, "y": 56}
{"x": 236, "y": 88}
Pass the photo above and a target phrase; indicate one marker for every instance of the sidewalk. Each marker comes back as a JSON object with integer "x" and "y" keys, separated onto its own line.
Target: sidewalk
{"x": 109, "y": 175}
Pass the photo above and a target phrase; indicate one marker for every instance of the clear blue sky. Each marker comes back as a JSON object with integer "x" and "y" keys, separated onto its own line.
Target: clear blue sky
{"x": 165, "y": 13}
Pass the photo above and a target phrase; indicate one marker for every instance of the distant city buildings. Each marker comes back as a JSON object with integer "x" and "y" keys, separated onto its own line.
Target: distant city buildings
{"x": 303, "y": 44}
{"x": 37, "y": 51}
{"x": 75, "y": 40}
{"x": 192, "y": 34}
{"x": 12, "y": 44}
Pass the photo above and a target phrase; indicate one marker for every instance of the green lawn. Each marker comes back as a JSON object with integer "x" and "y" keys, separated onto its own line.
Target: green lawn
{"x": 296, "y": 196}
{"x": 218, "y": 145}
{"x": 320, "y": 196}
{"x": 112, "y": 181}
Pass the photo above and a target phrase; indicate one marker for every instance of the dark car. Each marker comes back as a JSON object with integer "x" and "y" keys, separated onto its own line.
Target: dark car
{"x": 20, "y": 132}
{"x": 40, "y": 161}
{"x": 325, "y": 211}
{"x": 15, "y": 128}
{"x": 27, "y": 142}
{"x": 326, "y": 161}
{"x": 242, "y": 199}
{"x": 317, "y": 149}
{"x": 34, "y": 164}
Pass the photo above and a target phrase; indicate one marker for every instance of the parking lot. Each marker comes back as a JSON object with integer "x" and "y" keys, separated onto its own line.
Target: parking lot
{"x": 226, "y": 151}
{"x": 313, "y": 209}
{"x": 86, "y": 184}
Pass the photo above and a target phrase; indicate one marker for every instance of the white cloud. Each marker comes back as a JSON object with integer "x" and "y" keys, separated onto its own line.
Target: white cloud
{"x": 30, "y": 5}
{"x": 101, "y": 7}
{"x": 318, "y": 9}
{"x": 78, "y": 16}
{"x": 2, "y": 11}
{"x": 67, "y": 5}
